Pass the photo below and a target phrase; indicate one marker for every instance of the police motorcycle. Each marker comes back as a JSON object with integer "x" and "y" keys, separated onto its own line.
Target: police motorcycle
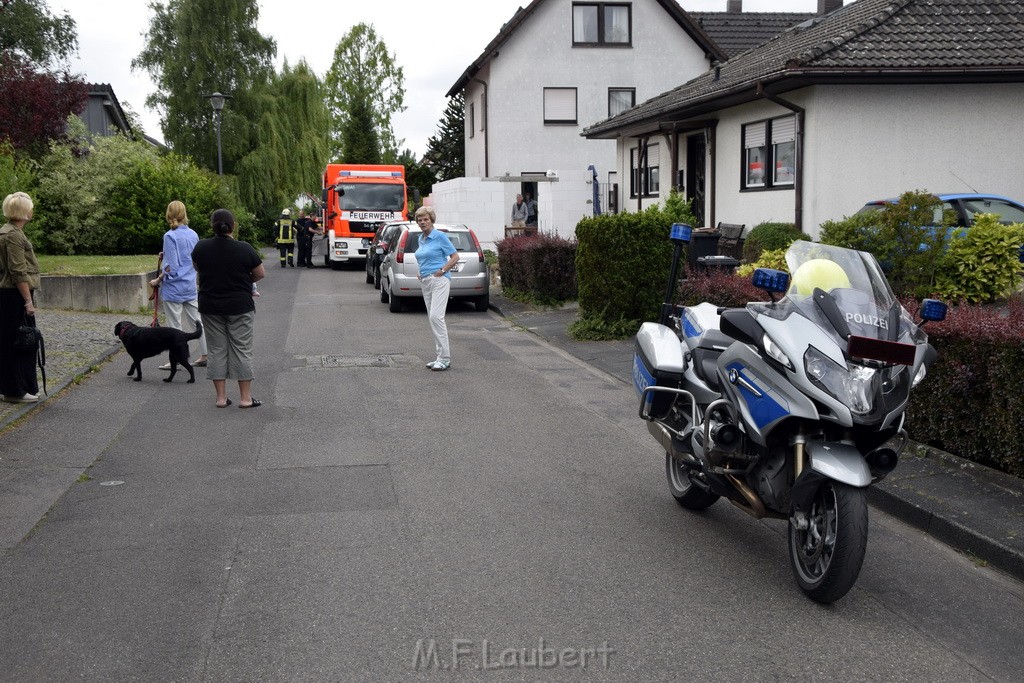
{"x": 791, "y": 408}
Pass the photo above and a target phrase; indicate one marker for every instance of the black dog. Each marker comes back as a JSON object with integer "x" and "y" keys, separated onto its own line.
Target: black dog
{"x": 146, "y": 342}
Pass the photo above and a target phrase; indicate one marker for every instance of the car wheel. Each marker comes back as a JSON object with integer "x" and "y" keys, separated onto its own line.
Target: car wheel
{"x": 394, "y": 303}
{"x": 383, "y": 294}
{"x": 376, "y": 277}
{"x": 482, "y": 302}
{"x": 327, "y": 261}
{"x": 369, "y": 275}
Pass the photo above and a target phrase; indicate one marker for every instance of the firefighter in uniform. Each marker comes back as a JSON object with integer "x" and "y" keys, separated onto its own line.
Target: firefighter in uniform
{"x": 305, "y": 229}
{"x": 286, "y": 238}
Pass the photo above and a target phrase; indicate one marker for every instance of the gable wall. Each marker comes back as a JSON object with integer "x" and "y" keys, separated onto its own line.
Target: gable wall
{"x": 540, "y": 54}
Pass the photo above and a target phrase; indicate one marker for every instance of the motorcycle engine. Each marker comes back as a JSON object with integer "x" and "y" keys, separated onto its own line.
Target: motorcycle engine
{"x": 773, "y": 481}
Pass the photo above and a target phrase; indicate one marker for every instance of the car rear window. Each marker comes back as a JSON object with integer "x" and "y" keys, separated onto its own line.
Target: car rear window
{"x": 1008, "y": 213}
{"x": 460, "y": 240}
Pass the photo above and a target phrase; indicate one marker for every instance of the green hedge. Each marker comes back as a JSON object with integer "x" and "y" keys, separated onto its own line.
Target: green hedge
{"x": 541, "y": 268}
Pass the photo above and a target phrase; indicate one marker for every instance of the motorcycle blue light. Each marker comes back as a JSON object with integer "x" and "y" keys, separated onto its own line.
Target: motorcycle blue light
{"x": 771, "y": 280}
{"x": 933, "y": 309}
{"x": 681, "y": 232}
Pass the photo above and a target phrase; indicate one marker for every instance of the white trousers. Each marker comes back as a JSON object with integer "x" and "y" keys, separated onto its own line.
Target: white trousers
{"x": 435, "y": 296}
{"x": 173, "y": 311}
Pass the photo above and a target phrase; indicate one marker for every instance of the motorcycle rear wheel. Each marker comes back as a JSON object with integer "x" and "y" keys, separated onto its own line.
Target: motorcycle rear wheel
{"x": 682, "y": 488}
{"x": 827, "y": 556}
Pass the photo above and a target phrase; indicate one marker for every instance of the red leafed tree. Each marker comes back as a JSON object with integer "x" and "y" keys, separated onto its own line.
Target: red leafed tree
{"x": 35, "y": 104}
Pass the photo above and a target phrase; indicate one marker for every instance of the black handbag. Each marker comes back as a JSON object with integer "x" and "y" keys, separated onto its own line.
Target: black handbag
{"x": 29, "y": 338}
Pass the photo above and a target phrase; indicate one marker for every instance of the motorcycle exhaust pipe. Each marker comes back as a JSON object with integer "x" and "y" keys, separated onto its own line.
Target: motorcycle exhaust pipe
{"x": 882, "y": 461}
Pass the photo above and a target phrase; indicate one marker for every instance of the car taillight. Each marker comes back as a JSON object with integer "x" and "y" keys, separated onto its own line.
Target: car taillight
{"x": 479, "y": 249}
{"x": 400, "y": 254}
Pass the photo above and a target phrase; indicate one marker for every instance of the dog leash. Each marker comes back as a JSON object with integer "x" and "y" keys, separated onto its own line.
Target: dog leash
{"x": 156, "y": 294}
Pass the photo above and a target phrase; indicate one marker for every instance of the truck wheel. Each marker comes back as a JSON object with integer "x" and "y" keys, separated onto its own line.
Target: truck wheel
{"x": 327, "y": 261}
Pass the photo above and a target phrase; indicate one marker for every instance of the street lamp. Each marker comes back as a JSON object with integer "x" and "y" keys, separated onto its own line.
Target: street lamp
{"x": 217, "y": 102}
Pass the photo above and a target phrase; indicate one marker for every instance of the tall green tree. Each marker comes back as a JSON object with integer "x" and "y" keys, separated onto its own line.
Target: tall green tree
{"x": 363, "y": 71}
{"x": 291, "y": 147}
{"x": 359, "y": 141}
{"x": 193, "y": 49}
{"x": 30, "y": 33}
{"x": 446, "y": 149}
{"x": 34, "y": 49}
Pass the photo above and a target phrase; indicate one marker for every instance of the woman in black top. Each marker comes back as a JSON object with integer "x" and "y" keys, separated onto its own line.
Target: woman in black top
{"x": 19, "y": 278}
{"x": 227, "y": 270}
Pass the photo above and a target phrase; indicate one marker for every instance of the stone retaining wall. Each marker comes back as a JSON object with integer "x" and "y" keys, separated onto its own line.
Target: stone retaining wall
{"x": 95, "y": 292}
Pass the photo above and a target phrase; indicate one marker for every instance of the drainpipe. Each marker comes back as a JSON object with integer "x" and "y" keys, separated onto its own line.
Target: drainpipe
{"x": 486, "y": 127}
{"x": 798, "y": 181}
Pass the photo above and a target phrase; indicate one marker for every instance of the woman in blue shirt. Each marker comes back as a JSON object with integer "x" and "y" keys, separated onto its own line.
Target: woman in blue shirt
{"x": 435, "y": 257}
{"x": 177, "y": 279}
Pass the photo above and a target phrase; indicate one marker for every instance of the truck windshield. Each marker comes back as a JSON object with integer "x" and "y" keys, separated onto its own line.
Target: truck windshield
{"x": 371, "y": 197}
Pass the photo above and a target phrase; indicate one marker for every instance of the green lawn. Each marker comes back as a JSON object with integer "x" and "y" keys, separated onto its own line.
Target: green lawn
{"x": 96, "y": 265}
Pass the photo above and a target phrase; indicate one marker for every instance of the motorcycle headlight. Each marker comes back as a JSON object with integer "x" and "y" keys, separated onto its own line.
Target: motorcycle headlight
{"x": 773, "y": 350}
{"x": 855, "y": 386}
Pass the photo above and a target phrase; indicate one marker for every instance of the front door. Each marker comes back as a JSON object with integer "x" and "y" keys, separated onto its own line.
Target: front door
{"x": 696, "y": 171}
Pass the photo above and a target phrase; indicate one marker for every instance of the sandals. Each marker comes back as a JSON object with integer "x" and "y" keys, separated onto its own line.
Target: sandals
{"x": 226, "y": 403}
{"x": 256, "y": 403}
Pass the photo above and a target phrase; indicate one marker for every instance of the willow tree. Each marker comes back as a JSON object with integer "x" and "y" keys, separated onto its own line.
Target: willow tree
{"x": 291, "y": 146}
{"x": 364, "y": 72}
{"x": 193, "y": 49}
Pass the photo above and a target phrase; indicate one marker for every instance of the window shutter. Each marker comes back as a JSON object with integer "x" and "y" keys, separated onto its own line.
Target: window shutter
{"x": 783, "y": 130}
{"x": 653, "y": 156}
{"x": 560, "y": 104}
{"x": 753, "y": 135}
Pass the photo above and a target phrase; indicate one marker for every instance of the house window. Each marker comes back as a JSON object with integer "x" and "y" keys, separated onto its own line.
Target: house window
{"x": 471, "y": 116}
{"x": 769, "y": 153}
{"x": 620, "y": 99}
{"x": 644, "y": 172}
{"x": 601, "y": 23}
{"x": 559, "y": 105}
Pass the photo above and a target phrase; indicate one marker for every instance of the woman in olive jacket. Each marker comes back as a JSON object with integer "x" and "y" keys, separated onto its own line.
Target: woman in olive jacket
{"x": 19, "y": 278}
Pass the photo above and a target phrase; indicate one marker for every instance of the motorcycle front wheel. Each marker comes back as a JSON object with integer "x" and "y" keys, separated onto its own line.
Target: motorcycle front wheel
{"x": 686, "y": 493}
{"x": 826, "y": 556}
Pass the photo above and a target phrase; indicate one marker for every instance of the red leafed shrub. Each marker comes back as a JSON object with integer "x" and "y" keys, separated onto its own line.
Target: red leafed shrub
{"x": 36, "y": 104}
{"x": 719, "y": 287}
{"x": 542, "y": 268}
{"x": 970, "y": 403}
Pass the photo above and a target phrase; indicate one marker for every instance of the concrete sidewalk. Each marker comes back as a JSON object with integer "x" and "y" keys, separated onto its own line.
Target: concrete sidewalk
{"x": 975, "y": 509}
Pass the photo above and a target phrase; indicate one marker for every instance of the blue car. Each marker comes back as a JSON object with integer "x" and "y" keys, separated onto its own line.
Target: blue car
{"x": 965, "y": 206}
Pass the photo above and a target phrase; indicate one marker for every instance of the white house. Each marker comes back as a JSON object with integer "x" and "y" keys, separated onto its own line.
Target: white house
{"x": 554, "y": 68}
{"x": 873, "y": 99}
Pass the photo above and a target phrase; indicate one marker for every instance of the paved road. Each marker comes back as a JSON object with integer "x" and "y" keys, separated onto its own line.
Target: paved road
{"x": 509, "y": 509}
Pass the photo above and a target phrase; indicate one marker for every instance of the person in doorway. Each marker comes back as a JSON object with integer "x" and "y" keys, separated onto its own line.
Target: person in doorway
{"x": 519, "y": 212}
{"x": 286, "y": 238}
{"x": 227, "y": 271}
{"x": 435, "y": 256}
{"x": 531, "y": 211}
{"x": 19, "y": 278}
{"x": 177, "y": 278}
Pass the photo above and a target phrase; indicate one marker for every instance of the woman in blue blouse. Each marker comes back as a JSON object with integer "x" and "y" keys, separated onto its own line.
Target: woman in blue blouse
{"x": 177, "y": 279}
{"x": 435, "y": 257}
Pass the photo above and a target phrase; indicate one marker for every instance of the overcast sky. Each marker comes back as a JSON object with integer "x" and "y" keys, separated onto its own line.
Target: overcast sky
{"x": 434, "y": 41}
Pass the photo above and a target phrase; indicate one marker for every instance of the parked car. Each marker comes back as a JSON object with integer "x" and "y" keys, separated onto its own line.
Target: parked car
{"x": 965, "y": 206}
{"x": 399, "y": 273}
{"x": 378, "y": 248}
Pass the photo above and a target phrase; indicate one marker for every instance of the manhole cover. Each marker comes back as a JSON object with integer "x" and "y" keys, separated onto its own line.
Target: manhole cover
{"x": 375, "y": 361}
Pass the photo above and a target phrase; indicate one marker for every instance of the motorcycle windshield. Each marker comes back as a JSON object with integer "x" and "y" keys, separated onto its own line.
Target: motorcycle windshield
{"x": 857, "y": 299}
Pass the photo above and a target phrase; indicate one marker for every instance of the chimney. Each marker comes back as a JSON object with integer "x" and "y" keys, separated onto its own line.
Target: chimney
{"x": 828, "y": 6}
{"x": 736, "y": 6}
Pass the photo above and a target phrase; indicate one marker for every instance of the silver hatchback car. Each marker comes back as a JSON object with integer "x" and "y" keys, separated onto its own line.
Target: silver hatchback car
{"x": 399, "y": 273}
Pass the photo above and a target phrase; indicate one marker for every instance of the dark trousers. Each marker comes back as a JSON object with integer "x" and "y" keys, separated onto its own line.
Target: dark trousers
{"x": 305, "y": 252}
{"x": 17, "y": 368}
{"x": 287, "y": 250}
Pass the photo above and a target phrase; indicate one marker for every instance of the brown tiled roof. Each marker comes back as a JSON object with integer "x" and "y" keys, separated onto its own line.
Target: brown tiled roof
{"x": 868, "y": 41}
{"x": 737, "y": 32}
